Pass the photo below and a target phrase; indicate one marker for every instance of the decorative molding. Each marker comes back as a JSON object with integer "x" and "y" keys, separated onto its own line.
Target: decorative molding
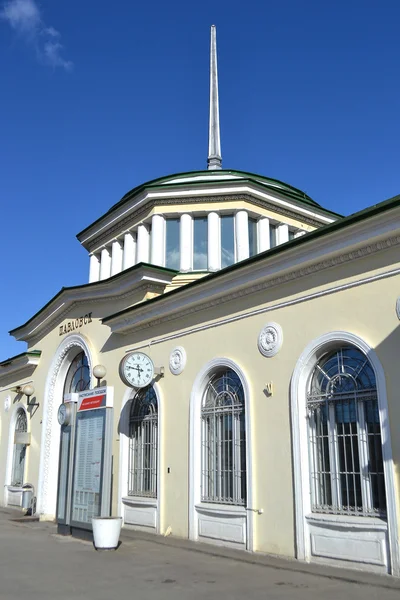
{"x": 7, "y": 403}
{"x": 398, "y": 308}
{"x": 195, "y": 447}
{"x": 50, "y": 439}
{"x": 123, "y": 428}
{"x": 137, "y": 324}
{"x": 41, "y": 331}
{"x": 298, "y": 387}
{"x": 270, "y": 339}
{"x": 177, "y": 360}
{"x": 133, "y": 219}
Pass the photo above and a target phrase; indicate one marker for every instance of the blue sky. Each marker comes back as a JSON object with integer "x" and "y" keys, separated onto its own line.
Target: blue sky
{"x": 98, "y": 98}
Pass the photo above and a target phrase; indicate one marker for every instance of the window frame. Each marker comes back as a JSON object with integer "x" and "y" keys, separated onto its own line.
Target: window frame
{"x": 342, "y": 479}
{"x": 216, "y": 449}
{"x": 19, "y": 448}
{"x": 221, "y": 217}
{"x": 136, "y": 485}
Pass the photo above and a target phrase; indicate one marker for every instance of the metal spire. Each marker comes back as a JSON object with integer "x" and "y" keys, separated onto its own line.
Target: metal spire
{"x": 214, "y": 138}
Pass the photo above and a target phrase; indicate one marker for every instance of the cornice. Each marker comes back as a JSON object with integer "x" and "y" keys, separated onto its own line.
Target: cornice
{"x": 152, "y": 287}
{"x": 124, "y": 224}
{"x": 19, "y": 367}
{"x": 139, "y": 279}
{"x": 124, "y": 324}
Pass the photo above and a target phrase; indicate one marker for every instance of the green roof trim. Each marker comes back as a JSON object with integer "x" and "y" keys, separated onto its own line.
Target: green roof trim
{"x": 362, "y": 215}
{"x": 273, "y": 184}
{"x": 8, "y": 361}
{"x": 95, "y": 283}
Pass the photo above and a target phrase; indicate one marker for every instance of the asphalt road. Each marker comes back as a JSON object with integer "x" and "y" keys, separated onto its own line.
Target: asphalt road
{"x": 36, "y": 563}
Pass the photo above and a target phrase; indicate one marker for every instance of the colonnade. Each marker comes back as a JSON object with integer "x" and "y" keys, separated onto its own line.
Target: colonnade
{"x": 147, "y": 244}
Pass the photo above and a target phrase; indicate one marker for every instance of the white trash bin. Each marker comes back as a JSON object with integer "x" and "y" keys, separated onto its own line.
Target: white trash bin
{"x": 106, "y": 532}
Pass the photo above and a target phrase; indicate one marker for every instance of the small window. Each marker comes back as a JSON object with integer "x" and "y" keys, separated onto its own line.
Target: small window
{"x": 172, "y": 254}
{"x": 252, "y": 237}
{"x": 227, "y": 241}
{"x": 291, "y": 234}
{"x": 272, "y": 236}
{"x": 78, "y": 376}
{"x": 18, "y": 467}
{"x": 143, "y": 443}
{"x": 200, "y": 243}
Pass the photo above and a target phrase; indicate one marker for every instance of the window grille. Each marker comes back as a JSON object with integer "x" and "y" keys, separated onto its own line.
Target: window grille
{"x": 223, "y": 440}
{"x": 345, "y": 449}
{"x": 143, "y": 443}
{"x": 78, "y": 376}
{"x": 18, "y": 469}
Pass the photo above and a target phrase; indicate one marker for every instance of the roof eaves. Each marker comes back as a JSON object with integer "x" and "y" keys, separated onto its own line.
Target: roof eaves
{"x": 32, "y": 353}
{"x": 287, "y": 188}
{"x": 307, "y": 238}
{"x": 97, "y": 284}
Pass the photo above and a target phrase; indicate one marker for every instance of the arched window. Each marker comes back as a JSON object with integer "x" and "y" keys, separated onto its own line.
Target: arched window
{"x": 18, "y": 467}
{"x": 78, "y": 375}
{"x": 143, "y": 443}
{"x": 345, "y": 448}
{"x": 223, "y": 440}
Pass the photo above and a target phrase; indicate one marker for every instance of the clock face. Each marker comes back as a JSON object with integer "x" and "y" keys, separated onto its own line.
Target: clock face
{"x": 136, "y": 370}
{"x": 64, "y": 414}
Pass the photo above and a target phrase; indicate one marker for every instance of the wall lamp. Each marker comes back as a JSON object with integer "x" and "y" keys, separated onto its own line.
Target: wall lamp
{"x": 27, "y": 390}
{"x": 99, "y": 372}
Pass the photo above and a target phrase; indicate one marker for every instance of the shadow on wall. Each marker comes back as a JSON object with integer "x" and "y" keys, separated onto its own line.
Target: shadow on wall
{"x": 123, "y": 423}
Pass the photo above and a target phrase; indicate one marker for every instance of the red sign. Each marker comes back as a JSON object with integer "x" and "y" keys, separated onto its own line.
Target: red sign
{"x": 92, "y": 402}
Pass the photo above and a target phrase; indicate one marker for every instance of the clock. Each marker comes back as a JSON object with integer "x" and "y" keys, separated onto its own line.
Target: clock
{"x": 136, "y": 369}
{"x": 64, "y": 414}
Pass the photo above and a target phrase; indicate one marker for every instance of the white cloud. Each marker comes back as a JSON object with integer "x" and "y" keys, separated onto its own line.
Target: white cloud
{"x": 25, "y": 19}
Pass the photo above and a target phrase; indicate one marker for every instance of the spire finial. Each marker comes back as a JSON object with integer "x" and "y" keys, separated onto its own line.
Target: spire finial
{"x": 214, "y": 138}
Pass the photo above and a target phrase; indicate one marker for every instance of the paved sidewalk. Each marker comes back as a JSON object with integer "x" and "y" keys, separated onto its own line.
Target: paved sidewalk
{"x": 36, "y": 563}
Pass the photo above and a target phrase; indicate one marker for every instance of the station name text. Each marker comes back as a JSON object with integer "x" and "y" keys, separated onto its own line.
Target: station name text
{"x": 75, "y": 324}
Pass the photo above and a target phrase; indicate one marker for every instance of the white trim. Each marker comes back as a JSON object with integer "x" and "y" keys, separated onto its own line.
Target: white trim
{"x": 234, "y": 187}
{"x": 230, "y": 286}
{"x": 50, "y": 442}
{"x": 10, "y": 450}
{"x": 267, "y": 309}
{"x": 195, "y": 454}
{"x": 298, "y": 388}
{"x": 123, "y": 497}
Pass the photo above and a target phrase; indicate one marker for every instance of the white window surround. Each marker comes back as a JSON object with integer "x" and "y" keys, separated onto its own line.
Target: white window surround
{"x": 195, "y": 504}
{"x": 304, "y": 518}
{"x": 148, "y": 506}
{"x": 50, "y": 441}
{"x": 10, "y": 450}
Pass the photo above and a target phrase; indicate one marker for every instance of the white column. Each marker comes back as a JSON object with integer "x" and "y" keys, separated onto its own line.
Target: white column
{"x": 143, "y": 240}
{"x": 264, "y": 242}
{"x": 105, "y": 263}
{"x": 94, "y": 268}
{"x": 116, "y": 257}
{"x": 158, "y": 240}
{"x": 214, "y": 241}
{"x": 129, "y": 257}
{"x": 242, "y": 235}
{"x": 299, "y": 233}
{"x": 282, "y": 234}
{"x": 186, "y": 243}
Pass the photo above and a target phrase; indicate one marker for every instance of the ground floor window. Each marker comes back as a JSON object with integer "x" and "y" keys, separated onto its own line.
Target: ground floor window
{"x": 18, "y": 466}
{"x": 143, "y": 444}
{"x": 344, "y": 436}
{"x": 223, "y": 440}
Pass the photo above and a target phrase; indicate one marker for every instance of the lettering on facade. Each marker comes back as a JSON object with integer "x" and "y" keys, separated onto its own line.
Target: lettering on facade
{"x": 75, "y": 324}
